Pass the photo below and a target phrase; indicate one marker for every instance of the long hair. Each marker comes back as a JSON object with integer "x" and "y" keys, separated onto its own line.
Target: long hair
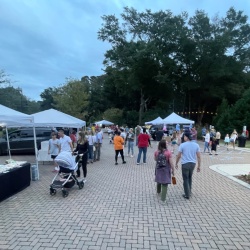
{"x": 174, "y": 135}
{"x": 82, "y": 139}
{"x": 162, "y": 145}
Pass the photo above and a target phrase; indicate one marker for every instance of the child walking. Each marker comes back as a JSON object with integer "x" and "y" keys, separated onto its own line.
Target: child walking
{"x": 53, "y": 150}
{"x": 214, "y": 146}
{"x": 164, "y": 168}
{"x": 226, "y": 140}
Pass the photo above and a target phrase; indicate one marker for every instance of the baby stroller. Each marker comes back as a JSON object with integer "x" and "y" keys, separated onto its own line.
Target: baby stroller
{"x": 65, "y": 178}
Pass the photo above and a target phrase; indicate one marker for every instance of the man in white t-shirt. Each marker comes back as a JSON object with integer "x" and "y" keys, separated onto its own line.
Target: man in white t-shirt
{"x": 65, "y": 142}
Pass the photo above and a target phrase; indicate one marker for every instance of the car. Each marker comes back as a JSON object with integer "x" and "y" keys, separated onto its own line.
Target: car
{"x": 22, "y": 140}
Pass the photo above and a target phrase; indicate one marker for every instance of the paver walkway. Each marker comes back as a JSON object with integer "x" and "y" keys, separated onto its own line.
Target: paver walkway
{"x": 118, "y": 209}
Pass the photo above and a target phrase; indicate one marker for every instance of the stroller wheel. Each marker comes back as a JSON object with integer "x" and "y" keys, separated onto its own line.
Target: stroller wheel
{"x": 65, "y": 193}
{"x": 52, "y": 191}
{"x": 81, "y": 184}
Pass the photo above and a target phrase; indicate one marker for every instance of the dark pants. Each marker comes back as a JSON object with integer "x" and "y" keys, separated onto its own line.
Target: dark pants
{"x": 82, "y": 162}
{"x": 117, "y": 153}
{"x": 97, "y": 153}
{"x": 91, "y": 153}
{"x": 187, "y": 172}
{"x": 144, "y": 151}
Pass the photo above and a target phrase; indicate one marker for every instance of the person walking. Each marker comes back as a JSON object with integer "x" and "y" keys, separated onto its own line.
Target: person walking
{"x": 137, "y": 133}
{"x": 91, "y": 140}
{"x": 143, "y": 142}
{"x": 218, "y": 136}
{"x": 173, "y": 141}
{"x": 227, "y": 140}
{"x": 82, "y": 155}
{"x": 163, "y": 169}
{"x": 130, "y": 140}
{"x": 118, "y": 146}
{"x": 214, "y": 147}
{"x": 207, "y": 141}
{"x": 98, "y": 145}
{"x": 65, "y": 142}
{"x": 53, "y": 150}
{"x": 189, "y": 153}
{"x": 233, "y": 137}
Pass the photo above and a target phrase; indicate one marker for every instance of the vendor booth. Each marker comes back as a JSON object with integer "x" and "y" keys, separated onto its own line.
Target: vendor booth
{"x": 156, "y": 121}
{"x": 104, "y": 122}
{"x": 54, "y": 118}
{"x": 176, "y": 119}
{"x": 14, "y": 176}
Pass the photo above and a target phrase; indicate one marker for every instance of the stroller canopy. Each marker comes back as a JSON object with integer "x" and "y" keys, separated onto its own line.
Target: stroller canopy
{"x": 66, "y": 160}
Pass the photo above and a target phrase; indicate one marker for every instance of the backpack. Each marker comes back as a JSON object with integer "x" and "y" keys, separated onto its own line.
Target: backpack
{"x": 161, "y": 160}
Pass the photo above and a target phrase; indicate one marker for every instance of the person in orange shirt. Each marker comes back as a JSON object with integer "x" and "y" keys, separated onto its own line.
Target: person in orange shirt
{"x": 118, "y": 146}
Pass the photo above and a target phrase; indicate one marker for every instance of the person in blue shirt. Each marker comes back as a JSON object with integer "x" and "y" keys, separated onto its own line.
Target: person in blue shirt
{"x": 177, "y": 127}
{"x": 189, "y": 153}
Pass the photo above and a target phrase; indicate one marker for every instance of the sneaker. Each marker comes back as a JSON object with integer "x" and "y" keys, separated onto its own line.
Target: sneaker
{"x": 216, "y": 154}
{"x": 57, "y": 168}
{"x": 138, "y": 163}
{"x": 123, "y": 162}
{"x": 84, "y": 180}
{"x": 210, "y": 154}
{"x": 131, "y": 156}
{"x": 144, "y": 163}
{"x": 184, "y": 196}
{"x": 164, "y": 202}
{"x": 116, "y": 163}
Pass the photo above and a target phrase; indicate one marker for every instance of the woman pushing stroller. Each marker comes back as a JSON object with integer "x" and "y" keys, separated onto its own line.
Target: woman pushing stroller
{"x": 82, "y": 154}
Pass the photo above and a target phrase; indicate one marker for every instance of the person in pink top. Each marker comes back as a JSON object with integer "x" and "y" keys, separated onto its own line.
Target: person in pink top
{"x": 143, "y": 142}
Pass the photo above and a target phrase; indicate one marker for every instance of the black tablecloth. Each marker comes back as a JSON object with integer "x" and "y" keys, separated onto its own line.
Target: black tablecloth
{"x": 14, "y": 181}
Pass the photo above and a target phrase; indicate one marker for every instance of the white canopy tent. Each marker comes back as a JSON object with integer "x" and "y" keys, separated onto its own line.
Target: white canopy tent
{"x": 55, "y": 118}
{"x": 10, "y": 118}
{"x": 176, "y": 119}
{"x": 104, "y": 122}
{"x": 156, "y": 121}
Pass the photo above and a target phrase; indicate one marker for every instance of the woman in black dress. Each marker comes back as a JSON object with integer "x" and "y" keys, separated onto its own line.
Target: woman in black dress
{"x": 82, "y": 148}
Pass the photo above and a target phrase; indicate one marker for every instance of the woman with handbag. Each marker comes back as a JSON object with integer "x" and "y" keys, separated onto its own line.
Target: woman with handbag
{"x": 82, "y": 154}
{"x": 164, "y": 168}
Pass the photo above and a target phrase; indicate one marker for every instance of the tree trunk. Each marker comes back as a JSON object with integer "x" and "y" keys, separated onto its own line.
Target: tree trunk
{"x": 189, "y": 104}
{"x": 200, "y": 114}
{"x": 142, "y": 104}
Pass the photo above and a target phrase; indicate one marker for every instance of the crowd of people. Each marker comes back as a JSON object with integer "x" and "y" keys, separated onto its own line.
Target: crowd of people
{"x": 87, "y": 146}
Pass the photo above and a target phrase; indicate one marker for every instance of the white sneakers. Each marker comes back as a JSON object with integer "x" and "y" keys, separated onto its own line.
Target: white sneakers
{"x": 131, "y": 156}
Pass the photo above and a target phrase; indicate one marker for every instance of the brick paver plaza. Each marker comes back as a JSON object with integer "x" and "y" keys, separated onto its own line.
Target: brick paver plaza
{"x": 118, "y": 209}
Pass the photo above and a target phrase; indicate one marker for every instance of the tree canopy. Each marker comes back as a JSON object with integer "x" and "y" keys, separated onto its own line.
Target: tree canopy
{"x": 159, "y": 62}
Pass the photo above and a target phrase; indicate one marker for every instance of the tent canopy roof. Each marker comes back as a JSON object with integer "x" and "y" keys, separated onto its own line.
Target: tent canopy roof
{"x": 156, "y": 121}
{"x": 104, "y": 122}
{"x": 176, "y": 119}
{"x": 55, "y": 118}
{"x": 12, "y": 118}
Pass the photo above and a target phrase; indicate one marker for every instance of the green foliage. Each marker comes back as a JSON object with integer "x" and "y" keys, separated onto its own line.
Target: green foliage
{"x": 13, "y": 98}
{"x": 72, "y": 98}
{"x": 114, "y": 115}
{"x": 234, "y": 117}
{"x": 48, "y": 98}
{"x": 188, "y": 58}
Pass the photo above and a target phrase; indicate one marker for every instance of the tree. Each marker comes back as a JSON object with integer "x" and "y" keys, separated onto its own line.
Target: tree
{"x": 135, "y": 59}
{"x": 47, "y": 96}
{"x": 114, "y": 115}
{"x": 72, "y": 98}
{"x": 172, "y": 60}
{"x": 4, "y": 78}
